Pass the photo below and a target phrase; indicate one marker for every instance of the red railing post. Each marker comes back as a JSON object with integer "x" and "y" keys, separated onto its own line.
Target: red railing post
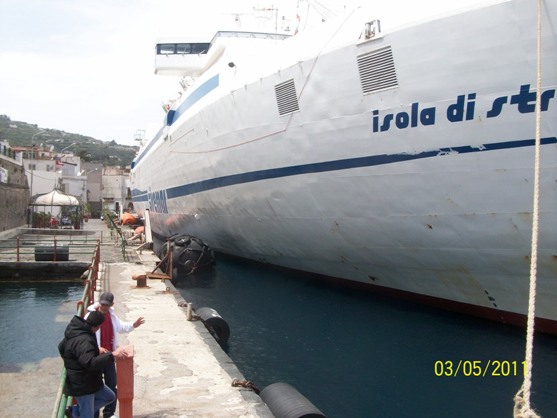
{"x": 124, "y": 382}
{"x": 81, "y": 308}
{"x": 91, "y": 294}
{"x": 125, "y": 368}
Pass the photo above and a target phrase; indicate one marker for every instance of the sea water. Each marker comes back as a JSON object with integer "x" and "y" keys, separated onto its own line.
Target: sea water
{"x": 31, "y": 324}
{"x": 355, "y": 354}
{"x": 352, "y": 354}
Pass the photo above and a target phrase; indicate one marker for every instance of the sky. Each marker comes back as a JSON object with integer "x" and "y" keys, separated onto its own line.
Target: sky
{"x": 87, "y": 67}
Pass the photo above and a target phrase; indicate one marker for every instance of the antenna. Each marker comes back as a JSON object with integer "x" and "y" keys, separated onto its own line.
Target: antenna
{"x": 139, "y": 135}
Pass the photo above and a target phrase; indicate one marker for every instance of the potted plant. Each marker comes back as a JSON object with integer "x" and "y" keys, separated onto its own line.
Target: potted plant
{"x": 86, "y": 212}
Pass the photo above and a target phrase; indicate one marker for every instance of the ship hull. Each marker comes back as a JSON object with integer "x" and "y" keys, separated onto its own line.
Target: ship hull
{"x": 421, "y": 187}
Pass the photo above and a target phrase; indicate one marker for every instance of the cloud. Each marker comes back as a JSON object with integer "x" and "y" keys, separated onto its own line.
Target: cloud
{"x": 84, "y": 67}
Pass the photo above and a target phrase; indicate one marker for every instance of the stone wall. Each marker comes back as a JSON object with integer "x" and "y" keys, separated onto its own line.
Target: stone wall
{"x": 14, "y": 195}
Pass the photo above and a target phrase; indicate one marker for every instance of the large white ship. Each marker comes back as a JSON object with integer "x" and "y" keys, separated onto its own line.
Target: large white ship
{"x": 402, "y": 160}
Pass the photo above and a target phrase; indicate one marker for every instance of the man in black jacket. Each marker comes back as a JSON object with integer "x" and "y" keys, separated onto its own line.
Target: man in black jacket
{"x": 84, "y": 364}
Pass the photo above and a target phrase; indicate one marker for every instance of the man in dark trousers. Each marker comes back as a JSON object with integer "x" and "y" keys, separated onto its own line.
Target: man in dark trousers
{"x": 84, "y": 363}
{"x": 108, "y": 341}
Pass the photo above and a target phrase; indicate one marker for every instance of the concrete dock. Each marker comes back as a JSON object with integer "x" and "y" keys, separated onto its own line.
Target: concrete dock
{"x": 180, "y": 370}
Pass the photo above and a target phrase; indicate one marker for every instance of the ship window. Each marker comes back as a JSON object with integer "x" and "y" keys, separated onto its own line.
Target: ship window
{"x": 182, "y": 48}
{"x": 199, "y": 48}
{"x": 377, "y": 70}
{"x": 166, "y": 48}
{"x": 287, "y": 100}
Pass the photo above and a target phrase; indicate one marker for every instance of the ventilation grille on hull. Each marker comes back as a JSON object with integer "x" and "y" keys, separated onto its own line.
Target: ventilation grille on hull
{"x": 287, "y": 99}
{"x": 377, "y": 70}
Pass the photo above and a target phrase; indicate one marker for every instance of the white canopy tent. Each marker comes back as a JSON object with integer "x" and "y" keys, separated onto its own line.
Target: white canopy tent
{"x": 56, "y": 198}
{"x": 55, "y": 209}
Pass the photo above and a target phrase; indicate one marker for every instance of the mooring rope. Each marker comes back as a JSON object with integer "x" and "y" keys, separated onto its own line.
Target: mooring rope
{"x": 522, "y": 407}
{"x": 245, "y": 384}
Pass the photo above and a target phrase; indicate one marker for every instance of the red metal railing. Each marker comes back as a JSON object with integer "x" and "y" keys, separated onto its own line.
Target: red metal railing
{"x": 29, "y": 249}
{"x": 88, "y": 298}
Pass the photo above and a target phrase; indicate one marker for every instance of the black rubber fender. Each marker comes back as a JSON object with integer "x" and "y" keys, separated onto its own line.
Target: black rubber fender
{"x": 285, "y": 401}
{"x": 182, "y": 240}
{"x": 189, "y": 254}
{"x": 214, "y": 323}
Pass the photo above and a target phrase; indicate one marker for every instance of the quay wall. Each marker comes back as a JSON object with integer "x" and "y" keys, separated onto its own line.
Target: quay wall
{"x": 14, "y": 194}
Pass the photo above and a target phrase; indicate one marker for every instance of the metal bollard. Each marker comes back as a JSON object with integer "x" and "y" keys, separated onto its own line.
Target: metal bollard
{"x": 124, "y": 382}
{"x": 141, "y": 279}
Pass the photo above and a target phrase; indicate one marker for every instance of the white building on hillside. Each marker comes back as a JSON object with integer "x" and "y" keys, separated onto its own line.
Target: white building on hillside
{"x": 116, "y": 189}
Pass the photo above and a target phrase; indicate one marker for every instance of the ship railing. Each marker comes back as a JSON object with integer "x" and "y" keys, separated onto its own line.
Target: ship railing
{"x": 88, "y": 297}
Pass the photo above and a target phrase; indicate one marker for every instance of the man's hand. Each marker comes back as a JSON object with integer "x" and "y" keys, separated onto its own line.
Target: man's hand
{"x": 103, "y": 350}
{"x": 119, "y": 353}
{"x": 139, "y": 321}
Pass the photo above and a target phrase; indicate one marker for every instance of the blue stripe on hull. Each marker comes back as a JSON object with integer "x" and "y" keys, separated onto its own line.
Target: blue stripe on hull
{"x": 204, "y": 89}
{"x": 350, "y": 163}
{"x": 173, "y": 115}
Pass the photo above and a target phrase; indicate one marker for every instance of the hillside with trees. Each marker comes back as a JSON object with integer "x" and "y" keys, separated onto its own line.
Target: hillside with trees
{"x": 19, "y": 133}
